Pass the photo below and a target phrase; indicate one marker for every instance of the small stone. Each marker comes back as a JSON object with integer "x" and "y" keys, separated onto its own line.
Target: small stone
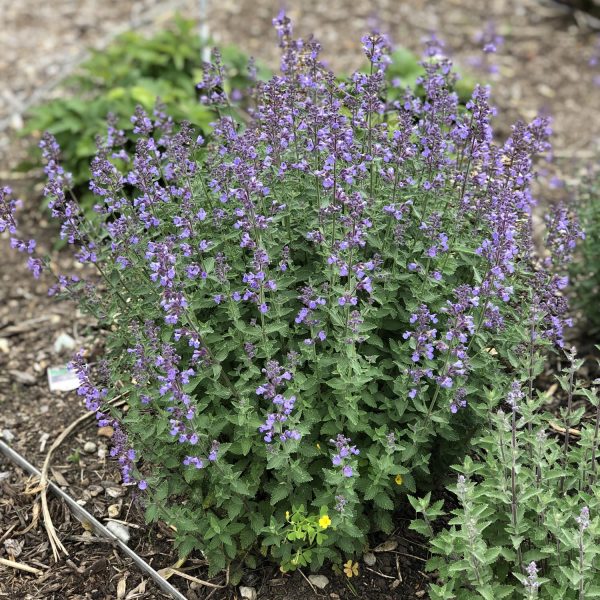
{"x": 420, "y": 593}
{"x": 64, "y": 342}
{"x": 118, "y": 530}
{"x": 16, "y": 121}
{"x": 114, "y": 510}
{"x": 95, "y": 490}
{"x": 106, "y": 431}
{"x": 319, "y": 581}
{"x": 13, "y": 547}
{"x": 248, "y": 593}
{"x": 89, "y": 448}
{"x": 4, "y": 345}
{"x": 23, "y": 377}
{"x": 8, "y": 436}
{"x": 387, "y": 546}
{"x": 369, "y": 559}
{"x": 114, "y": 492}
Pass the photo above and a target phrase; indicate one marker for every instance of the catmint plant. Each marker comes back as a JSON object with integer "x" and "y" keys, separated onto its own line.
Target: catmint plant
{"x": 307, "y": 309}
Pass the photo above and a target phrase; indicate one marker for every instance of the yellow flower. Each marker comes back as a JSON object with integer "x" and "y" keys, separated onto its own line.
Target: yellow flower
{"x": 318, "y": 446}
{"x": 287, "y": 515}
{"x": 324, "y": 522}
{"x": 351, "y": 568}
{"x": 398, "y": 479}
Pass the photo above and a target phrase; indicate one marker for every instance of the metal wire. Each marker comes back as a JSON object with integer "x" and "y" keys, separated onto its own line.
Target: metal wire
{"x": 88, "y": 519}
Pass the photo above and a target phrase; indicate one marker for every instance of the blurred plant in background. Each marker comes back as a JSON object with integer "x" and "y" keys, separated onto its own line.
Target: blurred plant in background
{"x": 133, "y": 70}
{"x": 585, "y": 271}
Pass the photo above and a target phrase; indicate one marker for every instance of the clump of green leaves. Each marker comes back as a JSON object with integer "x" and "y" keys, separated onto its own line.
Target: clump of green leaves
{"x": 527, "y": 524}
{"x": 132, "y": 70}
{"x": 406, "y": 70}
{"x": 302, "y": 535}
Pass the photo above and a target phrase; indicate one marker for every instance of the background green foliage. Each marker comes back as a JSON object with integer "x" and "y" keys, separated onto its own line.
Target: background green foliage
{"x": 585, "y": 272}
{"x": 133, "y": 70}
{"x": 136, "y": 70}
{"x": 405, "y": 69}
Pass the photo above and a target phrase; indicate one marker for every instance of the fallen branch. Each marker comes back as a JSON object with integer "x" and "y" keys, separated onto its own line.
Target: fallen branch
{"x": 24, "y": 326}
{"x": 90, "y": 521}
{"x": 379, "y": 573}
{"x": 309, "y": 582}
{"x": 166, "y": 572}
{"x": 22, "y": 567}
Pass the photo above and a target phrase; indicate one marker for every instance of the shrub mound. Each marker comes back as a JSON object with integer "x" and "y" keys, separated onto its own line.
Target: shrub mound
{"x": 305, "y": 312}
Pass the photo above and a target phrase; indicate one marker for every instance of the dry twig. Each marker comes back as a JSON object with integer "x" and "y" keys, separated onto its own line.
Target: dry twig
{"x": 172, "y": 571}
{"x": 55, "y": 542}
{"x": 17, "y": 565}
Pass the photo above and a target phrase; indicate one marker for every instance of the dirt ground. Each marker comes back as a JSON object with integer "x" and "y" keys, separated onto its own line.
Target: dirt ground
{"x": 543, "y": 65}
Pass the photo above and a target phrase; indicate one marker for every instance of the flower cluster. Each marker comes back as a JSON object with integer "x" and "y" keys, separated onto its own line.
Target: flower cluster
{"x": 277, "y": 377}
{"x": 344, "y": 454}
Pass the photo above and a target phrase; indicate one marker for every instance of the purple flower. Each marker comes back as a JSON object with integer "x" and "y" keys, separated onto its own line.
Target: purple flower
{"x": 277, "y": 377}
{"x": 344, "y": 454}
{"x": 35, "y": 265}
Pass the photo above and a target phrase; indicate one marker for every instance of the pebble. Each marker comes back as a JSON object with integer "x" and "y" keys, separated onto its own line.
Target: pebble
{"x": 13, "y": 547}
{"x": 119, "y": 530}
{"x": 106, "y": 431}
{"x": 64, "y": 342}
{"x": 248, "y": 593}
{"x": 387, "y": 546}
{"x": 114, "y": 492}
{"x": 319, "y": 581}
{"x": 89, "y": 448}
{"x": 23, "y": 377}
{"x": 95, "y": 490}
{"x": 369, "y": 559}
{"x": 8, "y": 436}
